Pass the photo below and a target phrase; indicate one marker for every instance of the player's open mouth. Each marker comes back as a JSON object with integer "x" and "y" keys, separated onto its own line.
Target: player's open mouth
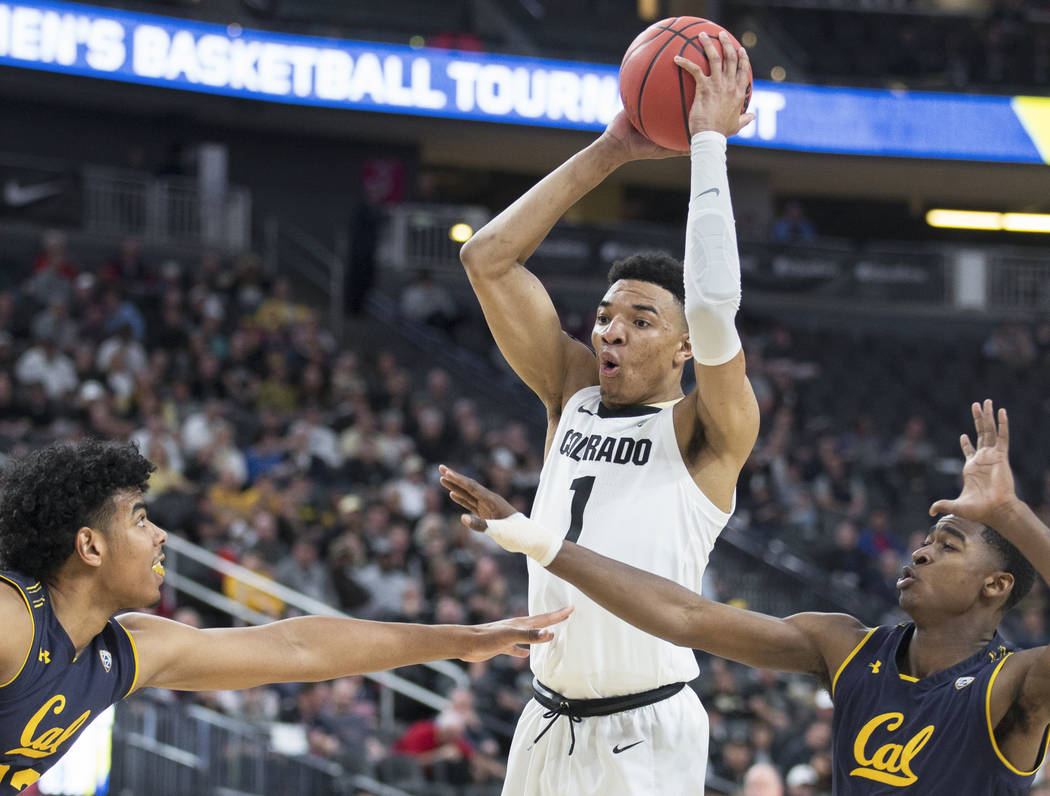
{"x": 159, "y": 569}
{"x": 906, "y": 579}
{"x": 609, "y": 368}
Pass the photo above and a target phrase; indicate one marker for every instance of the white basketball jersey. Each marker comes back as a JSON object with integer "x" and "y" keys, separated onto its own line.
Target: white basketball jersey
{"x": 617, "y": 480}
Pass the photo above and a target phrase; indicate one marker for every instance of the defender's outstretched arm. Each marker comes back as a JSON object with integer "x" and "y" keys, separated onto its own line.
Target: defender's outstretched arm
{"x": 810, "y": 642}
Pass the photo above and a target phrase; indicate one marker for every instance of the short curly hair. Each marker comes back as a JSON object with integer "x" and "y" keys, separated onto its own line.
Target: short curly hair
{"x": 1011, "y": 560}
{"x": 657, "y": 267}
{"x": 53, "y": 492}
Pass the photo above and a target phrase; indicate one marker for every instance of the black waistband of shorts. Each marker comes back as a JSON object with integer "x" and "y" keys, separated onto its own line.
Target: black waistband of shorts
{"x": 605, "y": 706}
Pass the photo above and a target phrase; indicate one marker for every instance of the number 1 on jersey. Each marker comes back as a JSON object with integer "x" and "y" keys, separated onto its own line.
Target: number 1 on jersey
{"x": 581, "y": 489}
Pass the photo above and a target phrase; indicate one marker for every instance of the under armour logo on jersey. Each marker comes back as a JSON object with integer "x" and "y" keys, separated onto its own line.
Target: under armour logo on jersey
{"x": 107, "y": 659}
{"x": 44, "y": 656}
{"x": 875, "y": 667}
{"x": 962, "y": 682}
{"x": 1002, "y": 652}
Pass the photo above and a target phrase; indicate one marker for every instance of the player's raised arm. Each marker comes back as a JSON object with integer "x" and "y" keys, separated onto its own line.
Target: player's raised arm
{"x": 988, "y": 497}
{"x": 518, "y": 309}
{"x": 811, "y": 643}
{"x": 723, "y": 402}
{"x": 308, "y": 649}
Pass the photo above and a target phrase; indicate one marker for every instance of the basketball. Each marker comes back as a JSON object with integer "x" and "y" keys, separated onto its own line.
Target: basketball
{"x": 657, "y": 94}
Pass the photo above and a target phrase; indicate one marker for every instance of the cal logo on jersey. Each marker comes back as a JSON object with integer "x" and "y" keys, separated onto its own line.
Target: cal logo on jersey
{"x": 962, "y": 682}
{"x": 107, "y": 659}
{"x": 883, "y": 757}
{"x": 37, "y": 742}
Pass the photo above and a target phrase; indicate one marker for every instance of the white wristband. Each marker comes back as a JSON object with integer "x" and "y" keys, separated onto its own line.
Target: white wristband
{"x": 518, "y": 534}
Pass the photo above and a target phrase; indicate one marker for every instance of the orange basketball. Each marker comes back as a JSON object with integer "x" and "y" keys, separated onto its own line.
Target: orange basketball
{"x": 657, "y": 94}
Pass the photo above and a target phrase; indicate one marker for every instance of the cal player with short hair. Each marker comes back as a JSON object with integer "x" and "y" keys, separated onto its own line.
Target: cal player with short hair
{"x": 939, "y": 705}
{"x": 633, "y": 468}
{"x": 76, "y": 548}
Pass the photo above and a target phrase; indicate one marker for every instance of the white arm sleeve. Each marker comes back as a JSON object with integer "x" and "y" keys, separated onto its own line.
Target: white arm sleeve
{"x": 519, "y": 534}
{"x": 712, "y": 263}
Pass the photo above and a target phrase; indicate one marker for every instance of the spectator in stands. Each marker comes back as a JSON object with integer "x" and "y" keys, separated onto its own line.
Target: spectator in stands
{"x": 733, "y": 759}
{"x": 270, "y": 448}
{"x": 425, "y": 301}
{"x": 793, "y": 226}
{"x": 13, "y": 422}
{"x": 55, "y": 322}
{"x": 53, "y": 271}
{"x": 165, "y": 478}
{"x": 278, "y": 311}
{"x": 801, "y": 780}
{"x": 763, "y": 779}
{"x": 46, "y": 365}
{"x": 440, "y": 746}
{"x": 156, "y": 433}
{"x": 384, "y": 579}
{"x": 351, "y": 718}
{"x": 251, "y": 596}
{"x": 304, "y": 572}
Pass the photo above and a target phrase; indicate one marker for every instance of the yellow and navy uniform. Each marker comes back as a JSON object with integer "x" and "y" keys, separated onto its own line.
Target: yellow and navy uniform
{"x": 899, "y": 734}
{"x": 56, "y": 693}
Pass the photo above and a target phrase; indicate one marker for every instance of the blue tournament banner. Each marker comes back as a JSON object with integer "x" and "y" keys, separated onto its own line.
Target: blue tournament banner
{"x": 306, "y": 70}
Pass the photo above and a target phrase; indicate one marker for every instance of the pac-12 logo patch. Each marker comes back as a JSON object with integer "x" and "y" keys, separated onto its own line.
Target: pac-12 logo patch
{"x": 962, "y": 682}
{"x": 107, "y": 659}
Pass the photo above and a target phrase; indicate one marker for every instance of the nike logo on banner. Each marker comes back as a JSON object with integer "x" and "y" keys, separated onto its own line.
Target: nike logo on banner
{"x": 715, "y": 191}
{"x": 617, "y": 749}
{"x": 17, "y": 195}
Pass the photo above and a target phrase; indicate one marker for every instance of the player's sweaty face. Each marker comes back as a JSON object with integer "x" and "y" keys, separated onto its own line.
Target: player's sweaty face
{"x": 638, "y": 330}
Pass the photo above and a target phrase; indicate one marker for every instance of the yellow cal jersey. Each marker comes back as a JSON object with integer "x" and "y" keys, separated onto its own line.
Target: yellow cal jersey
{"x": 895, "y": 734}
{"x": 56, "y": 693}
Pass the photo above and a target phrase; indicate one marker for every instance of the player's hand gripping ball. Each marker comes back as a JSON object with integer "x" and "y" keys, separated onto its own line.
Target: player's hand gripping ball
{"x": 657, "y": 94}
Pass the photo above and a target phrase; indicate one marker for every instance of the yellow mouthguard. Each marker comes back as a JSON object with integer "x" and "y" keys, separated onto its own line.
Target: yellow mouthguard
{"x": 158, "y": 568}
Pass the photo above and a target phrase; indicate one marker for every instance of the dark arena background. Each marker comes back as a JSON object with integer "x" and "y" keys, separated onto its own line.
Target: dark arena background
{"x": 229, "y": 231}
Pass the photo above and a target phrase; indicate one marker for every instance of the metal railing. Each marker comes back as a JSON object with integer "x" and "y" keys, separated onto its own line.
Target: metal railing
{"x": 179, "y": 749}
{"x": 1019, "y": 283}
{"x": 417, "y": 235}
{"x": 165, "y": 210}
{"x": 177, "y": 549}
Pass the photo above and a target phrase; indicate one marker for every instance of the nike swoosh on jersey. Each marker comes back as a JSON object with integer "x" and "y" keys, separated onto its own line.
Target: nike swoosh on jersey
{"x": 617, "y": 749}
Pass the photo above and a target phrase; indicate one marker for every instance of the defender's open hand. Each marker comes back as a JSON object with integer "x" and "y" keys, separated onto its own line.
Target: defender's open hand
{"x": 495, "y": 517}
{"x": 504, "y": 638}
{"x": 988, "y": 483}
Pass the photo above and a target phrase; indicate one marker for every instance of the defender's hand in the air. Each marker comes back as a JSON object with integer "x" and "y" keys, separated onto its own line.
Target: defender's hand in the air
{"x": 492, "y": 515}
{"x": 988, "y": 483}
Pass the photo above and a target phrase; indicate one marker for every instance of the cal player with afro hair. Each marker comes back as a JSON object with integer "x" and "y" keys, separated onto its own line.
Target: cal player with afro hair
{"x": 77, "y": 548}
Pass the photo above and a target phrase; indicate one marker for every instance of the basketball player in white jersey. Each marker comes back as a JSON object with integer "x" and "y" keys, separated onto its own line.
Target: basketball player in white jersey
{"x": 633, "y": 468}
